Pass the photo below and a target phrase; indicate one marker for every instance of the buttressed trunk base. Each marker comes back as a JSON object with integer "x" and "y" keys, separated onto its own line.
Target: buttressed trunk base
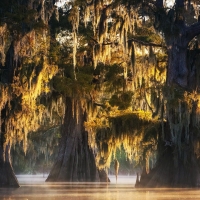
{"x": 167, "y": 173}
{"x": 7, "y": 176}
{"x": 75, "y": 161}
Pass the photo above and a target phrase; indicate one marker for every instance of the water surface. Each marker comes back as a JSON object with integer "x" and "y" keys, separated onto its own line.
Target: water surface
{"x": 34, "y": 187}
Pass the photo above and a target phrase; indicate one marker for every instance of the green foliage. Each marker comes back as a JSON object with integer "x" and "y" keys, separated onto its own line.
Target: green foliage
{"x": 80, "y": 3}
{"x": 113, "y": 71}
{"x": 40, "y": 25}
{"x": 100, "y": 69}
{"x": 54, "y": 52}
{"x": 68, "y": 86}
{"x": 127, "y": 3}
{"x": 127, "y": 123}
{"x": 64, "y": 23}
{"x": 18, "y": 18}
{"x": 54, "y": 24}
{"x": 132, "y": 2}
{"x": 62, "y": 84}
{"x": 114, "y": 77}
{"x": 122, "y": 100}
{"x": 146, "y": 34}
{"x": 86, "y": 32}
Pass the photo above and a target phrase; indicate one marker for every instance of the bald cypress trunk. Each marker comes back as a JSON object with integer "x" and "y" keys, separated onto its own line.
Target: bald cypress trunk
{"x": 7, "y": 176}
{"x": 173, "y": 169}
{"x": 75, "y": 161}
{"x": 177, "y": 164}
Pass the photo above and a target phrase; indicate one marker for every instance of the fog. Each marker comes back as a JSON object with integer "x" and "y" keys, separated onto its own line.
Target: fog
{"x": 34, "y": 187}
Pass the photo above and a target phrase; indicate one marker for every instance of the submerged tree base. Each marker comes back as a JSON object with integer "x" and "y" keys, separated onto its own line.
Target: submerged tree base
{"x": 78, "y": 168}
{"x": 76, "y": 160}
{"x": 171, "y": 172}
{"x": 7, "y": 176}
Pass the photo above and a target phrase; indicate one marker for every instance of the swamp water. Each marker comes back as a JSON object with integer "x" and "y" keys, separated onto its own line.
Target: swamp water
{"x": 34, "y": 187}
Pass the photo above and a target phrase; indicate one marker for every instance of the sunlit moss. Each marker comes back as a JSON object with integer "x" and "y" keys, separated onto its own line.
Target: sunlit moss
{"x": 120, "y": 93}
{"x": 30, "y": 82}
{"x": 137, "y": 131}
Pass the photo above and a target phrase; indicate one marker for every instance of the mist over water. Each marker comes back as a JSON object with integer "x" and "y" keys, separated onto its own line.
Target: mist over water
{"x": 34, "y": 187}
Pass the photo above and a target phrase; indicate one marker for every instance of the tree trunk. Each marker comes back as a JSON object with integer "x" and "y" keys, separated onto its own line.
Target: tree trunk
{"x": 177, "y": 164}
{"x": 75, "y": 161}
{"x": 172, "y": 170}
{"x": 7, "y": 176}
{"x": 177, "y": 71}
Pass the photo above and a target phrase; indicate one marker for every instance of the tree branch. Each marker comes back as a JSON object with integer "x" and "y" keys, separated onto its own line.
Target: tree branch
{"x": 132, "y": 39}
{"x": 179, "y": 3}
{"x": 192, "y": 31}
{"x": 92, "y": 39}
{"x": 159, "y": 3}
{"x": 98, "y": 104}
{"x": 96, "y": 42}
{"x": 147, "y": 43}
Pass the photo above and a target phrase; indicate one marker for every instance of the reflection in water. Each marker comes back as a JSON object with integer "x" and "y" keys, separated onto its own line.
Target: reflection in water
{"x": 34, "y": 187}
